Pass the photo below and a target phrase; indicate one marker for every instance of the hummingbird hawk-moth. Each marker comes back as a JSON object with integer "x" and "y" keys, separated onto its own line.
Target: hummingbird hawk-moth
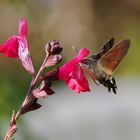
{"x": 101, "y": 65}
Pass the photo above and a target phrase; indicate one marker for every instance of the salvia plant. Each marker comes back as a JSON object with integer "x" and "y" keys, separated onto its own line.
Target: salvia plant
{"x": 71, "y": 72}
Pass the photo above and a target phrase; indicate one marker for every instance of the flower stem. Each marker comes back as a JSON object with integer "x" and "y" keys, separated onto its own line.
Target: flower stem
{"x": 40, "y": 70}
{"x": 15, "y": 117}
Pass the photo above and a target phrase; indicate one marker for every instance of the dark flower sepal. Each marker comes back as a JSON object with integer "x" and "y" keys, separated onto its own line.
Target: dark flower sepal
{"x": 51, "y": 75}
{"x": 30, "y": 105}
{"x": 43, "y": 90}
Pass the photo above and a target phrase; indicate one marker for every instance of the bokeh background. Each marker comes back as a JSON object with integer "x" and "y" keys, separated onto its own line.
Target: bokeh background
{"x": 68, "y": 116}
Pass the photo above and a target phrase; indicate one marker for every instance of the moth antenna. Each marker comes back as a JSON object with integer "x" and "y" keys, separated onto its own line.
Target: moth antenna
{"x": 75, "y": 49}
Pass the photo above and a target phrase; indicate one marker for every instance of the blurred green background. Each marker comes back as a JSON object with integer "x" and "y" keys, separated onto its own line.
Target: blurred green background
{"x": 82, "y": 23}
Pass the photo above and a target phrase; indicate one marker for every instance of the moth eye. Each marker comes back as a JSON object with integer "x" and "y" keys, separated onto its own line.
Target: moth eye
{"x": 85, "y": 62}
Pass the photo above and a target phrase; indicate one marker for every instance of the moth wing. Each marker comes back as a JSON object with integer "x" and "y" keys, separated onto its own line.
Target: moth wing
{"x": 107, "y": 46}
{"x": 110, "y": 60}
{"x": 88, "y": 61}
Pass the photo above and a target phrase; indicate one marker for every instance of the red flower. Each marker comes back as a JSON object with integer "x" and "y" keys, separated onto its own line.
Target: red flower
{"x": 73, "y": 74}
{"x": 10, "y": 47}
{"x": 17, "y": 47}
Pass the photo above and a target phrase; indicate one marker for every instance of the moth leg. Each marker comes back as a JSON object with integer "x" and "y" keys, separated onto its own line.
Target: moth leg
{"x": 109, "y": 89}
{"x": 113, "y": 85}
{"x": 114, "y": 90}
{"x": 114, "y": 81}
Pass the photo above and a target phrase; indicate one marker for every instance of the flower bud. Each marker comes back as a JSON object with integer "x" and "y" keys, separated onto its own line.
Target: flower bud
{"x": 53, "y": 47}
{"x": 53, "y": 60}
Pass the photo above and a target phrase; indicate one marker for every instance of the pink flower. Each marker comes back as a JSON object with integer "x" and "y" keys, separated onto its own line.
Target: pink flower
{"x": 73, "y": 74}
{"x": 17, "y": 47}
{"x": 23, "y": 50}
{"x": 10, "y": 47}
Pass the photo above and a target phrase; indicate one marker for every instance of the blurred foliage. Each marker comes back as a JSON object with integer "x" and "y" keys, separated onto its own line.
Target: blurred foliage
{"x": 83, "y": 23}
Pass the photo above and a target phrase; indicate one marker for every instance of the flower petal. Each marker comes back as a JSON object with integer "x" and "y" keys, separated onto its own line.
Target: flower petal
{"x": 22, "y": 27}
{"x": 82, "y": 54}
{"x": 24, "y": 56}
{"x": 23, "y": 50}
{"x": 67, "y": 68}
{"x": 77, "y": 81}
{"x": 10, "y": 47}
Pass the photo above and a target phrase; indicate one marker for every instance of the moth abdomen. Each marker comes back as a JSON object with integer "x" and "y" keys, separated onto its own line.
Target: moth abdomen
{"x": 109, "y": 83}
